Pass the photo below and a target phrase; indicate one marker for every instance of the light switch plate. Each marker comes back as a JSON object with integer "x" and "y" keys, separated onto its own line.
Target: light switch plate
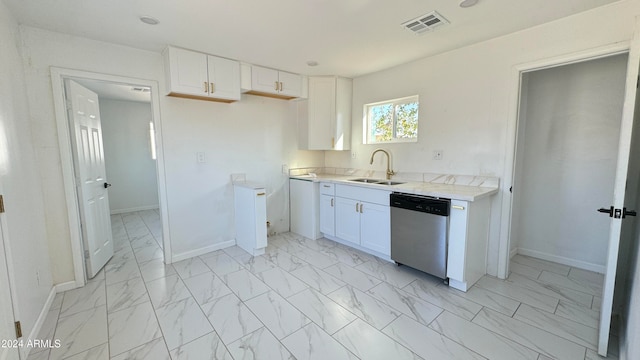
{"x": 437, "y": 154}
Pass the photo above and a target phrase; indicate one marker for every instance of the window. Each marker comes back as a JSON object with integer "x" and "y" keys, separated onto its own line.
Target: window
{"x": 392, "y": 121}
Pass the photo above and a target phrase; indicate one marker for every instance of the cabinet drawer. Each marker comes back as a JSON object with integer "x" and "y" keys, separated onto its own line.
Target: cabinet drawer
{"x": 363, "y": 194}
{"x": 327, "y": 189}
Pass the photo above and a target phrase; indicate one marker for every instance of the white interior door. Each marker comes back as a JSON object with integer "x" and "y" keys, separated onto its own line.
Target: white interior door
{"x": 621, "y": 198}
{"x": 7, "y": 330}
{"x": 91, "y": 183}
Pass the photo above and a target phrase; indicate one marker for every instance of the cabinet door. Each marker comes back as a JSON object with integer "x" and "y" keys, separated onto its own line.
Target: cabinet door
{"x": 327, "y": 215}
{"x": 457, "y": 247}
{"x": 348, "y": 220}
{"x": 188, "y": 71}
{"x": 264, "y": 80}
{"x": 375, "y": 228}
{"x": 322, "y": 113}
{"x": 291, "y": 84}
{"x": 260, "y": 212}
{"x": 224, "y": 78}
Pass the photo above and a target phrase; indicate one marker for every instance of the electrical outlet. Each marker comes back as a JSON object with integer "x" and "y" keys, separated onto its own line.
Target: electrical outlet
{"x": 201, "y": 157}
{"x": 437, "y": 154}
{"x": 38, "y": 276}
{"x": 285, "y": 169}
{"x": 354, "y": 154}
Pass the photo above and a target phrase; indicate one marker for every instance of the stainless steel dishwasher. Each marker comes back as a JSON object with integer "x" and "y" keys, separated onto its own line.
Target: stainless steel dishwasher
{"x": 419, "y": 232}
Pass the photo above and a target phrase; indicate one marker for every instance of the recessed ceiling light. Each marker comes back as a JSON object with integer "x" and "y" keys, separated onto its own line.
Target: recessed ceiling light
{"x": 149, "y": 20}
{"x": 468, "y": 3}
{"x": 312, "y": 63}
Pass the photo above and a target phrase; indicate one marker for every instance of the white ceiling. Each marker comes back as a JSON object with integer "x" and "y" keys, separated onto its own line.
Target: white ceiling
{"x": 346, "y": 37}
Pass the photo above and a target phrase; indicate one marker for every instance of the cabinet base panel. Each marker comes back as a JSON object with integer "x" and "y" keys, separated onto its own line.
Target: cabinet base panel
{"x": 459, "y": 285}
{"x": 358, "y": 247}
{"x": 196, "y": 97}
{"x": 275, "y": 96}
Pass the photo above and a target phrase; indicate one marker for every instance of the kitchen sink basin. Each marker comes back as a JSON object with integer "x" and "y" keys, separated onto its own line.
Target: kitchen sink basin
{"x": 367, "y": 180}
{"x": 389, "y": 182}
{"x": 377, "y": 181}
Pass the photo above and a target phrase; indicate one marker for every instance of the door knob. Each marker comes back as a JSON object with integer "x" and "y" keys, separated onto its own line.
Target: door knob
{"x": 607, "y": 211}
{"x": 106, "y": 185}
{"x": 626, "y": 212}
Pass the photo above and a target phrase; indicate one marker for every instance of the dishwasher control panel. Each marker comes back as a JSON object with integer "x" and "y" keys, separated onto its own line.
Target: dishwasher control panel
{"x": 420, "y": 203}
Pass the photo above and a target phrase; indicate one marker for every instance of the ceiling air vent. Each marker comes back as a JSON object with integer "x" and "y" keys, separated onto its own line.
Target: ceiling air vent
{"x": 425, "y": 23}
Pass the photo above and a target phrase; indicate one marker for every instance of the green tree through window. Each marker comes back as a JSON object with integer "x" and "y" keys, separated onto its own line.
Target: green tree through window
{"x": 392, "y": 121}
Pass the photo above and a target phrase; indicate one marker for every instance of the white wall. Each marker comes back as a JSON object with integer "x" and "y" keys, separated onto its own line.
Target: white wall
{"x": 23, "y": 224}
{"x": 254, "y": 136}
{"x": 571, "y": 130}
{"x": 129, "y": 166}
{"x": 466, "y": 96}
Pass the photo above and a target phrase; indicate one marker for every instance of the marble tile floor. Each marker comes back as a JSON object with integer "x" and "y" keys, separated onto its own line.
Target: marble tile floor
{"x": 308, "y": 299}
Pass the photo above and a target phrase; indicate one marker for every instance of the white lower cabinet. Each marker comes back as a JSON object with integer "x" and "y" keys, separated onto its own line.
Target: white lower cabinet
{"x": 250, "y": 202}
{"x": 375, "y": 228}
{"x": 468, "y": 241}
{"x": 328, "y": 214}
{"x": 359, "y": 216}
{"x": 348, "y": 220}
{"x": 303, "y": 205}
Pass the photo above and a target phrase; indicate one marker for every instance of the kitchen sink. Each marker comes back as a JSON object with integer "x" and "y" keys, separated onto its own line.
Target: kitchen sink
{"x": 367, "y": 180}
{"x": 377, "y": 181}
{"x": 389, "y": 182}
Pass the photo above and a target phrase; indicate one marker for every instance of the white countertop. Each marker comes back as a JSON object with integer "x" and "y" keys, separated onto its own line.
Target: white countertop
{"x": 449, "y": 191}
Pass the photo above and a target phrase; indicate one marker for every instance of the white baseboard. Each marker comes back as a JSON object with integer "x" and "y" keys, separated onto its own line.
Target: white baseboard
{"x": 139, "y": 208}
{"x": 39, "y": 321}
{"x": 197, "y": 252}
{"x": 513, "y": 252}
{"x": 563, "y": 260}
{"x": 69, "y": 285}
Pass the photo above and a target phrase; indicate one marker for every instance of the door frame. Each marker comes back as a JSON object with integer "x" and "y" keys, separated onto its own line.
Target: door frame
{"x": 58, "y": 75}
{"x": 504, "y": 249}
{"x": 15, "y": 308}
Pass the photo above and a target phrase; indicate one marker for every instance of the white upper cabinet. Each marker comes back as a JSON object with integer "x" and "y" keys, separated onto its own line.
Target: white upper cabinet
{"x": 258, "y": 80}
{"x": 327, "y": 124}
{"x": 195, "y": 75}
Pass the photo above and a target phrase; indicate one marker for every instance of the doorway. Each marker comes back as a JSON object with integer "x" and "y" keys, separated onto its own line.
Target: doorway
{"x": 149, "y": 210}
{"x": 566, "y": 157}
{"x": 128, "y": 134}
{"x": 621, "y": 192}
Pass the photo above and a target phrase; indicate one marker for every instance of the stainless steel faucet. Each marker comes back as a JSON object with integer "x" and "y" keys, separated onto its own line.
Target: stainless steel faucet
{"x": 390, "y": 172}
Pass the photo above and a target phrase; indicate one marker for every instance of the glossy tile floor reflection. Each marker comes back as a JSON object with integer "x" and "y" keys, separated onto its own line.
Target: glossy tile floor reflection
{"x": 309, "y": 299}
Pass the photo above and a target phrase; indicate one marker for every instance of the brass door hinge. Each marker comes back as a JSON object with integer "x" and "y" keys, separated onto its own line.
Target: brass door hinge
{"x": 1, "y": 204}
{"x": 18, "y": 330}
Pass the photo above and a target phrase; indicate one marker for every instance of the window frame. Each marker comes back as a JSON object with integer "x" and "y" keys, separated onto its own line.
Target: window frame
{"x": 367, "y": 108}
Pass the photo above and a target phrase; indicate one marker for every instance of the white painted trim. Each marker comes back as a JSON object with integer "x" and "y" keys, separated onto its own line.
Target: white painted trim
{"x": 458, "y": 285}
{"x": 66, "y": 286}
{"x": 11, "y": 272}
{"x": 563, "y": 260}
{"x": 203, "y": 250}
{"x": 69, "y": 182}
{"x": 64, "y": 139}
{"x": 39, "y": 322}
{"x": 512, "y": 129}
{"x": 139, "y": 208}
{"x": 513, "y": 253}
